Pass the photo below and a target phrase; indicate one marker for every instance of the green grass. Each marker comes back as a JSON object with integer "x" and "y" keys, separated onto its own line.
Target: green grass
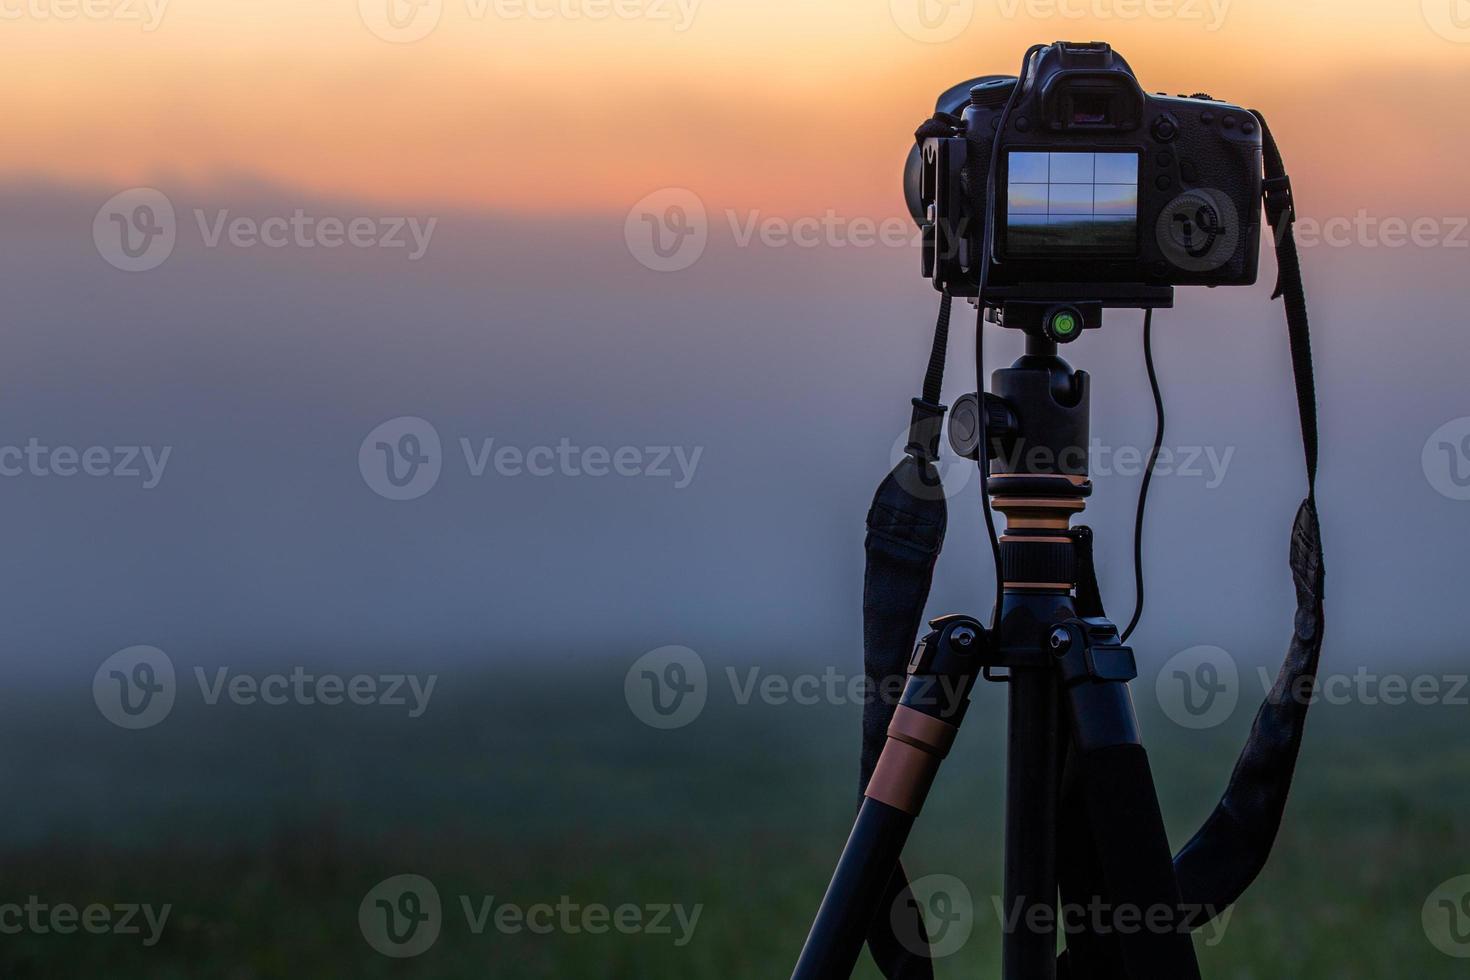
{"x": 265, "y": 828}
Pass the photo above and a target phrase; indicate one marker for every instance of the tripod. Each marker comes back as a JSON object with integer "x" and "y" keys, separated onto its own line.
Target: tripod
{"x": 1082, "y": 814}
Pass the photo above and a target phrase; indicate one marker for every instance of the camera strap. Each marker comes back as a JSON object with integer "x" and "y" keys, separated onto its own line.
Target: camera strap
{"x": 1224, "y": 858}
{"x": 906, "y": 526}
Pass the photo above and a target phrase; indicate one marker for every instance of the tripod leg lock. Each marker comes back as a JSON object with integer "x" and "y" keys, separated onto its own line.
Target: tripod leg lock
{"x": 917, "y": 744}
{"x": 941, "y": 675}
{"x": 1095, "y": 668}
{"x": 1091, "y": 650}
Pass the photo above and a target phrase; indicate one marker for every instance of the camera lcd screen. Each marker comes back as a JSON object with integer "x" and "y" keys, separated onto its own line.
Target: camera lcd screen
{"x": 1071, "y": 202}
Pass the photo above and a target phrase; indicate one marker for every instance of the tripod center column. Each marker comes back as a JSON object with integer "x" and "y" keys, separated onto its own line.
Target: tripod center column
{"x": 1038, "y": 469}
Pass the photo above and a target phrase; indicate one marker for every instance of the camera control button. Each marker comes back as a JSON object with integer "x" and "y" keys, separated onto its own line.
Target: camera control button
{"x": 1164, "y": 182}
{"x": 993, "y": 93}
{"x": 1164, "y": 159}
{"x": 1229, "y": 122}
{"x": 1165, "y": 129}
{"x": 1207, "y": 117}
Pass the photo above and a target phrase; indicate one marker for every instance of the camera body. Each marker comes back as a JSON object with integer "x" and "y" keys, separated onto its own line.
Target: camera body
{"x": 1104, "y": 195}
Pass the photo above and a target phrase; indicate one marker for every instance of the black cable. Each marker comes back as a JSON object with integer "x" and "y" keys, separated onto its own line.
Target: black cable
{"x": 1000, "y": 586}
{"x": 985, "y": 257}
{"x": 934, "y": 377}
{"x": 1148, "y": 474}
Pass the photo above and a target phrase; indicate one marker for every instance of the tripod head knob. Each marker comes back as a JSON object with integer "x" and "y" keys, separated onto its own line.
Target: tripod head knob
{"x": 1001, "y": 425}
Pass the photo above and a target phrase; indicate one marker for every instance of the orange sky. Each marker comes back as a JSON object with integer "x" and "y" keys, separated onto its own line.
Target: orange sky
{"x": 788, "y": 106}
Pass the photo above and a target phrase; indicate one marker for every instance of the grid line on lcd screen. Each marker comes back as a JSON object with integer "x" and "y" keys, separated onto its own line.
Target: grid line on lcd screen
{"x": 1072, "y": 199}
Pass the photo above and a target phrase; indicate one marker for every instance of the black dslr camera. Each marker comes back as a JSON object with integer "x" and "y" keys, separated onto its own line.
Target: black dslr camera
{"x": 1075, "y": 185}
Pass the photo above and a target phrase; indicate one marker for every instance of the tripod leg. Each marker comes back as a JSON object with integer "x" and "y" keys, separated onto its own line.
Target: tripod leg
{"x": 1029, "y": 947}
{"x": 1137, "y": 910}
{"x": 1089, "y": 956}
{"x": 856, "y": 894}
{"x": 924, "y": 726}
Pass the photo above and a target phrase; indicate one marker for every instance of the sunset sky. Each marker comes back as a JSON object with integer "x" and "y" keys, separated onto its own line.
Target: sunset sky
{"x": 529, "y": 141}
{"x": 550, "y": 105}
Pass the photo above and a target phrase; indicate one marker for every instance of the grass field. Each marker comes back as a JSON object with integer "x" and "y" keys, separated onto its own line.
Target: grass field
{"x": 264, "y": 829}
